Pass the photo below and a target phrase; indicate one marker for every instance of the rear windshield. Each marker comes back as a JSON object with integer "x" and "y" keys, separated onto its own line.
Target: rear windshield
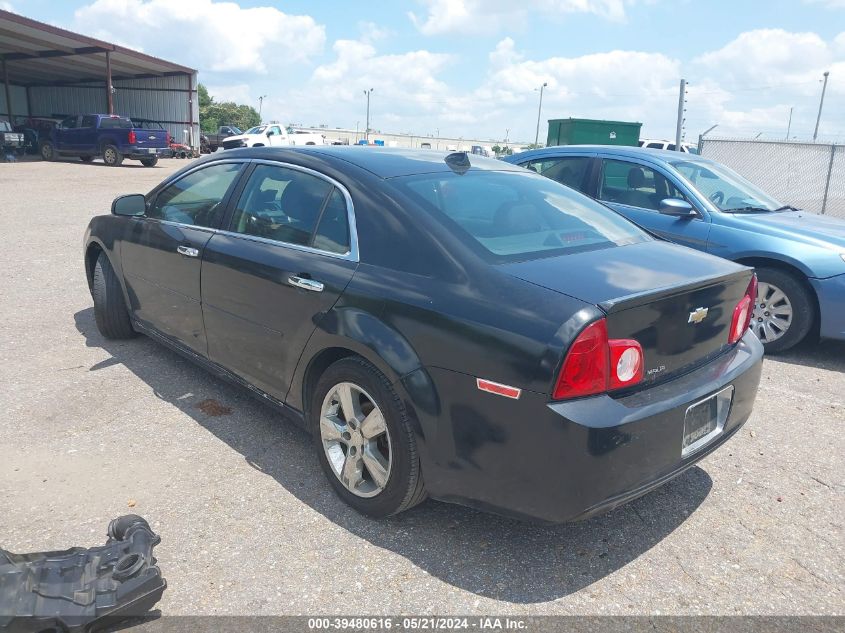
{"x": 112, "y": 123}
{"x": 515, "y": 216}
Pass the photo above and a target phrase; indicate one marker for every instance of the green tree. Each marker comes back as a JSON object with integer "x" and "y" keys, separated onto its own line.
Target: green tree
{"x": 213, "y": 114}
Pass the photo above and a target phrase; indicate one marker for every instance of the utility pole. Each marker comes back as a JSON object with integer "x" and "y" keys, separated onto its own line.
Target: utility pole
{"x": 821, "y": 103}
{"x": 260, "y": 105}
{"x": 539, "y": 110}
{"x": 437, "y": 146}
{"x": 367, "y": 133}
{"x": 789, "y": 125}
{"x": 682, "y": 99}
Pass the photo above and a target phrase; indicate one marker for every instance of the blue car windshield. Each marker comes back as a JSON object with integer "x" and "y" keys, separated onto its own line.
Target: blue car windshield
{"x": 724, "y": 188}
{"x": 516, "y": 216}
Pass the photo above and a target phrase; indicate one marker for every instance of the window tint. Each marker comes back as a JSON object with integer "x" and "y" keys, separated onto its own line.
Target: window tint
{"x": 112, "y": 123}
{"x": 333, "y": 231}
{"x": 89, "y": 121}
{"x": 570, "y": 171}
{"x": 634, "y": 185}
{"x": 196, "y": 199}
{"x": 655, "y": 145}
{"x": 281, "y": 204}
{"x": 513, "y": 216}
{"x": 69, "y": 123}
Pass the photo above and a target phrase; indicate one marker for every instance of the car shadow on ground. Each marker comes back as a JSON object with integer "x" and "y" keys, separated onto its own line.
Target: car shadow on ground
{"x": 488, "y": 555}
{"x": 824, "y": 354}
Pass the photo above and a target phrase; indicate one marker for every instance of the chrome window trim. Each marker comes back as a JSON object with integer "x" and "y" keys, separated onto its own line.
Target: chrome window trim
{"x": 351, "y": 255}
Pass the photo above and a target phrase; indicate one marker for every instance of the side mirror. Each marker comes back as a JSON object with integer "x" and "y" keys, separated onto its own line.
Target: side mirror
{"x": 270, "y": 132}
{"x": 677, "y": 208}
{"x": 132, "y": 205}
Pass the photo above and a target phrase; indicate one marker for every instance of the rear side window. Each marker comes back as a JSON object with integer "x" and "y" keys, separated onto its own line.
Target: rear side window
{"x": 515, "y": 216}
{"x": 197, "y": 198}
{"x": 281, "y": 204}
{"x": 88, "y": 121}
{"x": 333, "y": 230}
{"x": 570, "y": 170}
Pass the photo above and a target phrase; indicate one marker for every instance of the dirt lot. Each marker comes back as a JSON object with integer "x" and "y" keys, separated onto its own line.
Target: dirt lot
{"x": 91, "y": 429}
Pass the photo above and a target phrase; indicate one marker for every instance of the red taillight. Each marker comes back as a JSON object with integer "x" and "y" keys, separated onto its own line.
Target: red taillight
{"x": 132, "y": 137}
{"x": 595, "y": 364}
{"x": 743, "y": 311}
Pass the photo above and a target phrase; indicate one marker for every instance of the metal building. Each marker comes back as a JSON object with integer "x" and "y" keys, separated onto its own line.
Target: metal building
{"x": 51, "y": 72}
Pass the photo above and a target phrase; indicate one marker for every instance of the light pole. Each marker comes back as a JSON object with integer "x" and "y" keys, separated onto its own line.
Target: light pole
{"x": 821, "y": 103}
{"x": 367, "y": 133}
{"x": 539, "y": 111}
{"x": 789, "y": 125}
{"x": 260, "y": 105}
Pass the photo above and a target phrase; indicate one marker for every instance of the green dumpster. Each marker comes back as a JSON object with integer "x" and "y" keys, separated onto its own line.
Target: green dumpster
{"x": 593, "y": 132}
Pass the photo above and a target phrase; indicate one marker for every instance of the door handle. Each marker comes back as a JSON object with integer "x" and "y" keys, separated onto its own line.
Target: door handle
{"x": 305, "y": 284}
{"x": 188, "y": 251}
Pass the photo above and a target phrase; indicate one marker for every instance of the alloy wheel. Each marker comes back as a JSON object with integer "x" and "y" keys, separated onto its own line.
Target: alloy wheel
{"x": 772, "y": 313}
{"x": 109, "y": 156}
{"x": 355, "y": 439}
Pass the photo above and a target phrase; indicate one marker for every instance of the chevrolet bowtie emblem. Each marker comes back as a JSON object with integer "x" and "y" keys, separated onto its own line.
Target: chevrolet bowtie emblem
{"x": 698, "y": 315}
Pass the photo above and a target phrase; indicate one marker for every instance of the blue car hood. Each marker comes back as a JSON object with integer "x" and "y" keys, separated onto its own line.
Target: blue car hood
{"x": 820, "y": 230}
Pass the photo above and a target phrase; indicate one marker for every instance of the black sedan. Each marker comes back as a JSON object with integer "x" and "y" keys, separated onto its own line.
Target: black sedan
{"x": 445, "y": 325}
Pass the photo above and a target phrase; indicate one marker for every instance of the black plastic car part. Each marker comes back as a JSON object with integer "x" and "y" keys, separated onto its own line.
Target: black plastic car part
{"x": 82, "y": 589}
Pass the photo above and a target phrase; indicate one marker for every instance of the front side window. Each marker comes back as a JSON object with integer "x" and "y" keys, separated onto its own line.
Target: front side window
{"x": 281, "y": 204}
{"x": 570, "y": 170}
{"x": 634, "y": 185}
{"x": 69, "y": 123}
{"x": 196, "y": 199}
{"x": 511, "y": 216}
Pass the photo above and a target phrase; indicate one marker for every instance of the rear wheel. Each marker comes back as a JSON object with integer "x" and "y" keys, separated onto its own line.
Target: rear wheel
{"x": 149, "y": 162}
{"x": 112, "y": 156}
{"x": 110, "y": 311}
{"x": 364, "y": 440}
{"x": 48, "y": 152}
{"x": 784, "y": 313}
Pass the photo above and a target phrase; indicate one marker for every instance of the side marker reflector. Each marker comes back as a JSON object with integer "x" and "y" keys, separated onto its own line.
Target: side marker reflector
{"x": 498, "y": 389}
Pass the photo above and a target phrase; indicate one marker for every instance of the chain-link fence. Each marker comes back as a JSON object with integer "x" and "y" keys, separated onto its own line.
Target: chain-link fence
{"x": 809, "y": 176}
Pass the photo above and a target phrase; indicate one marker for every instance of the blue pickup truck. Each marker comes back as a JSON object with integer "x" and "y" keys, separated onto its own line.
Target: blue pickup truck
{"x": 108, "y": 136}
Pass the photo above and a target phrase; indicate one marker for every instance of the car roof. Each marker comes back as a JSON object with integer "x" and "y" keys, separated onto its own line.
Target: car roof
{"x": 384, "y": 162}
{"x": 623, "y": 151}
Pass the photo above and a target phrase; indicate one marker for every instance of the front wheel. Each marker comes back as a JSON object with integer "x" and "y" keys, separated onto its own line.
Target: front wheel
{"x": 784, "y": 312}
{"x": 48, "y": 152}
{"x": 149, "y": 162}
{"x": 364, "y": 439}
{"x": 110, "y": 311}
{"x": 112, "y": 156}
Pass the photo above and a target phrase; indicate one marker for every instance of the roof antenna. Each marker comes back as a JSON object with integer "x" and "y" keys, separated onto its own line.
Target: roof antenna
{"x": 458, "y": 162}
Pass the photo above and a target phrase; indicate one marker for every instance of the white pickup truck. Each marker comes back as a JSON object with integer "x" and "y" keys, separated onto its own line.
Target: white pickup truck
{"x": 272, "y": 134}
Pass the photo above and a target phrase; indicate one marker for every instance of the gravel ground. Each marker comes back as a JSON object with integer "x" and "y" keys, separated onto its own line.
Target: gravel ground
{"x": 92, "y": 429}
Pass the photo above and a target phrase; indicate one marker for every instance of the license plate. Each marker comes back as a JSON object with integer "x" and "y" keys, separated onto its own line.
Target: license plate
{"x": 151, "y": 150}
{"x": 705, "y": 420}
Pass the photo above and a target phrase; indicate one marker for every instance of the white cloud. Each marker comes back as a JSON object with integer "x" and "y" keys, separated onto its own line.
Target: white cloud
{"x": 239, "y": 93}
{"x": 491, "y": 16}
{"x": 7, "y": 6}
{"x": 828, "y": 4}
{"x": 208, "y": 35}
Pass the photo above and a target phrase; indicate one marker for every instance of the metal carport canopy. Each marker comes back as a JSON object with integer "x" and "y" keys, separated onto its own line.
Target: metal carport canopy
{"x": 34, "y": 54}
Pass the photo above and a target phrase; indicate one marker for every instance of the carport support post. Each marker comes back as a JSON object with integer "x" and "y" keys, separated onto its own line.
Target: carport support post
{"x": 108, "y": 84}
{"x": 8, "y": 92}
{"x": 829, "y": 173}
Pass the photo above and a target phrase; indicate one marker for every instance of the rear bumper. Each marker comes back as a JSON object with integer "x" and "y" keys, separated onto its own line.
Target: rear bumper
{"x": 565, "y": 461}
{"x": 831, "y": 296}
{"x": 137, "y": 153}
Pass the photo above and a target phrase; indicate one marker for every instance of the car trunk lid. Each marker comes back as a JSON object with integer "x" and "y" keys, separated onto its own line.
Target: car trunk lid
{"x": 676, "y": 302}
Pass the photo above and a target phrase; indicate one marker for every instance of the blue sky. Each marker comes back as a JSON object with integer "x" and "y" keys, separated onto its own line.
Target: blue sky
{"x": 470, "y": 67}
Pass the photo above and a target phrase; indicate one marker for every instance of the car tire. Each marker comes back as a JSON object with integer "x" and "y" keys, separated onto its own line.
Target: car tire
{"x": 47, "y": 151}
{"x": 112, "y": 156}
{"x": 400, "y": 485}
{"x": 149, "y": 162}
{"x": 110, "y": 311}
{"x": 86, "y": 159}
{"x": 779, "y": 289}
